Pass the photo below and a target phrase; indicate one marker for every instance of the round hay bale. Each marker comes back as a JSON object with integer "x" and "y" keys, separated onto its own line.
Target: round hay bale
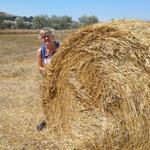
{"x": 97, "y": 89}
{"x": 139, "y": 28}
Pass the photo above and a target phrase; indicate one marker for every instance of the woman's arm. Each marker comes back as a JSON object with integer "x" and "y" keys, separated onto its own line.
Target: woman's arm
{"x": 40, "y": 62}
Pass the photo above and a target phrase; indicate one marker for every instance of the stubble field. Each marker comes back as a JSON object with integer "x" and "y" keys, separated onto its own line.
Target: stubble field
{"x": 20, "y": 106}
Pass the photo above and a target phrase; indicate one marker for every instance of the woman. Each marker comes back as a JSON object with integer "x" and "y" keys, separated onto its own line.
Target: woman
{"x": 47, "y": 50}
{"x": 44, "y": 56}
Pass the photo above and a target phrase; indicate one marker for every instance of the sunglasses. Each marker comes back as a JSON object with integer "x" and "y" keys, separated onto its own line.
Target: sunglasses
{"x": 45, "y": 36}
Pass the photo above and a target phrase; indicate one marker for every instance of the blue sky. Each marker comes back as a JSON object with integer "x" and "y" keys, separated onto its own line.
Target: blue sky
{"x": 104, "y": 10}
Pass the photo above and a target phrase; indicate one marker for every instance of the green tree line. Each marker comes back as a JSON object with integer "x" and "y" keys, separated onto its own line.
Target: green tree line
{"x": 38, "y": 22}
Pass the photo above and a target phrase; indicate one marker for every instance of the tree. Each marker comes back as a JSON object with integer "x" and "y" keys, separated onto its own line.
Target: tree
{"x": 8, "y": 24}
{"x": 74, "y": 25}
{"x": 20, "y": 23}
{"x": 40, "y": 21}
{"x": 66, "y": 22}
{"x": 29, "y": 25}
{"x": 2, "y": 18}
{"x": 29, "y": 18}
{"x": 87, "y": 20}
{"x": 54, "y": 22}
{"x": 60, "y": 22}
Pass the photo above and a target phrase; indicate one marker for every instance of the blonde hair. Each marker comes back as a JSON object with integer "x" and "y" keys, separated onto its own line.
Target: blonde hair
{"x": 46, "y": 31}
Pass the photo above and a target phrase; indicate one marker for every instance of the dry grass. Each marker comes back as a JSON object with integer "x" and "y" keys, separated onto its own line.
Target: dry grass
{"x": 20, "y": 105}
{"x": 18, "y": 31}
{"x": 59, "y": 34}
{"x": 18, "y": 89}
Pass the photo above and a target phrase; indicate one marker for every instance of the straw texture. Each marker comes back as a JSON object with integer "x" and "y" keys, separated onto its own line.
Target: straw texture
{"x": 97, "y": 90}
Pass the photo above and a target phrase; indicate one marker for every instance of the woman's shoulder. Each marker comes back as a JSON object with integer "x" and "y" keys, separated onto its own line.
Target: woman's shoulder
{"x": 41, "y": 49}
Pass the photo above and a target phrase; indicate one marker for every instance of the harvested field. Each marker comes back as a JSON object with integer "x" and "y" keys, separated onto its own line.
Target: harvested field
{"x": 97, "y": 90}
{"x": 95, "y": 95}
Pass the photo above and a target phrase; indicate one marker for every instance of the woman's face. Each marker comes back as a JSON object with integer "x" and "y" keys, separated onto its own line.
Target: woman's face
{"x": 47, "y": 39}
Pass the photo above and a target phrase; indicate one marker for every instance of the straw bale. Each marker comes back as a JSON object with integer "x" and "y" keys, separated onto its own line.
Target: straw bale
{"x": 139, "y": 28}
{"x": 97, "y": 90}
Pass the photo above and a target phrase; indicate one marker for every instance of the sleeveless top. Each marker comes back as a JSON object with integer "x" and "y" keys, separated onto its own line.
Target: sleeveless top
{"x": 47, "y": 58}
